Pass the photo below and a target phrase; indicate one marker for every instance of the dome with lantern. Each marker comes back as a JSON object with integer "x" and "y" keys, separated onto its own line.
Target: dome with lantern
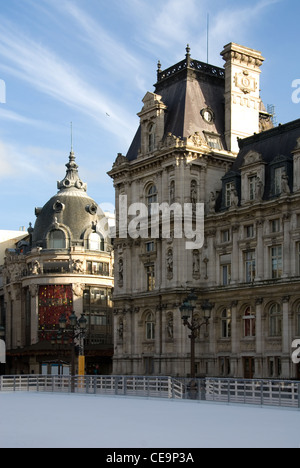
{"x": 70, "y": 218}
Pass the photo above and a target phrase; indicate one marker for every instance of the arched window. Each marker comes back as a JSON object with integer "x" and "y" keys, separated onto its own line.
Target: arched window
{"x": 96, "y": 241}
{"x": 249, "y": 322}
{"x": 275, "y": 320}
{"x": 151, "y": 138}
{"x": 151, "y": 197}
{"x": 150, "y": 326}
{"x": 226, "y": 323}
{"x": 57, "y": 239}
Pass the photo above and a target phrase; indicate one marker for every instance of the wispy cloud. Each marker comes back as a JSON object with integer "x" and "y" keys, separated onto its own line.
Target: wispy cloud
{"x": 47, "y": 72}
{"x": 22, "y": 162}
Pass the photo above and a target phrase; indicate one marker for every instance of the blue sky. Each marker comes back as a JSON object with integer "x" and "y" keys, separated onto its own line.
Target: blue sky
{"x": 90, "y": 62}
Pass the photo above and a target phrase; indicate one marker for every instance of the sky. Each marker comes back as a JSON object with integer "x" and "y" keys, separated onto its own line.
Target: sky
{"x": 91, "y": 62}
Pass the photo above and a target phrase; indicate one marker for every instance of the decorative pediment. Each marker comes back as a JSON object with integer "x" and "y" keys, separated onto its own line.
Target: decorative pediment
{"x": 151, "y": 102}
{"x": 252, "y": 157}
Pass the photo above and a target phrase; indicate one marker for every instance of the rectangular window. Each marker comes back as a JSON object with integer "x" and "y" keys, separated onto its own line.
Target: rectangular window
{"x": 226, "y": 274}
{"x": 252, "y": 185}
{"x": 225, "y": 235}
{"x": 225, "y": 264}
{"x": 276, "y": 261}
{"x": 275, "y": 225}
{"x": 249, "y": 231}
{"x": 150, "y": 247}
{"x": 97, "y": 268}
{"x": 228, "y": 189}
{"x": 214, "y": 141}
{"x": 250, "y": 266}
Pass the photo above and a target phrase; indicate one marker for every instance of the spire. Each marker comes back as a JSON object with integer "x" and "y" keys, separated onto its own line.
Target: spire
{"x": 72, "y": 179}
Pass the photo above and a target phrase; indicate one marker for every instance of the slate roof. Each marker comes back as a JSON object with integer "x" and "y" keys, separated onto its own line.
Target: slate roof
{"x": 186, "y": 89}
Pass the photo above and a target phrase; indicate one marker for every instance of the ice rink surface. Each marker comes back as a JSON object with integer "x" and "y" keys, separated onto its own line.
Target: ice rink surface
{"x": 46, "y": 420}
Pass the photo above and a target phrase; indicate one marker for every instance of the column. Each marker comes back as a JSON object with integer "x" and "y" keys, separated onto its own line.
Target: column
{"x": 259, "y": 337}
{"x": 259, "y": 251}
{"x": 286, "y": 341}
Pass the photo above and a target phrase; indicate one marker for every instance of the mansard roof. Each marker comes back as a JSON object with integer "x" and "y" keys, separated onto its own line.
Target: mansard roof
{"x": 281, "y": 140}
{"x": 186, "y": 89}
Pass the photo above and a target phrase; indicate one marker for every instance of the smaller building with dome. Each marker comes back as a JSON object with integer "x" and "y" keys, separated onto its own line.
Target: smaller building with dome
{"x": 63, "y": 266}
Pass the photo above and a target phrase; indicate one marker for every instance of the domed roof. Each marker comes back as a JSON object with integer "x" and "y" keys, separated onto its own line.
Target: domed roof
{"x": 71, "y": 210}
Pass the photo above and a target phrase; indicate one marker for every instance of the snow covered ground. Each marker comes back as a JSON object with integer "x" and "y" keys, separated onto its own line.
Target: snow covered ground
{"x": 45, "y": 420}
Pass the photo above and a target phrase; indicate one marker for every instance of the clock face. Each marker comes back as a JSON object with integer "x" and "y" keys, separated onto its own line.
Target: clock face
{"x": 207, "y": 115}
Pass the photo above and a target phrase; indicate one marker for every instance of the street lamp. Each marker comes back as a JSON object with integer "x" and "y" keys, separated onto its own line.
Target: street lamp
{"x": 75, "y": 329}
{"x": 2, "y": 350}
{"x": 187, "y": 314}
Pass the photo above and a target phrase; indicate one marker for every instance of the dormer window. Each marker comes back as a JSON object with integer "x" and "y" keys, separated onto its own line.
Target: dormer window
{"x": 278, "y": 173}
{"x": 57, "y": 239}
{"x": 96, "y": 242}
{"x": 252, "y": 187}
{"x": 213, "y": 140}
{"x": 229, "y": 187}
{"x": 151, "y": 138}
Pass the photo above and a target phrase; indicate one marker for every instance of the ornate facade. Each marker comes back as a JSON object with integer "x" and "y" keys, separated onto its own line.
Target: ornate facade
{"x": 205, "y": 139}
{"x": 65, "y": 264}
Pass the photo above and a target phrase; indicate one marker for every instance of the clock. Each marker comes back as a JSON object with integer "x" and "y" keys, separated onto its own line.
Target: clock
{"x": 207, "y": 115}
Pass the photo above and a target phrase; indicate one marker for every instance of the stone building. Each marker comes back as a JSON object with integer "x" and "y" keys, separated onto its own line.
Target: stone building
{"x": 64, "y": 265}
{"x": 206, "y": 140}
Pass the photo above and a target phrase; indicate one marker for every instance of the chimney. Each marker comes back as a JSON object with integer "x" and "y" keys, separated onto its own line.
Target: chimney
{"x": 242, "y": 93}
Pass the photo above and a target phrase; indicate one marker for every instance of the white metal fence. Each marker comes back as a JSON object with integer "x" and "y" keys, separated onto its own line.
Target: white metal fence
{"x": 257, "y": 392}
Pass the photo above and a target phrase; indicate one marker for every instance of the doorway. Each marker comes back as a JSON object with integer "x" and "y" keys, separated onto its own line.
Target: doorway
{"x": 249, "y": 367}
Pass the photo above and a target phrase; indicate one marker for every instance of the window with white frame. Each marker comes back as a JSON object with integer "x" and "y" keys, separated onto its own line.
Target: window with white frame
{"x": 226, "y": 323}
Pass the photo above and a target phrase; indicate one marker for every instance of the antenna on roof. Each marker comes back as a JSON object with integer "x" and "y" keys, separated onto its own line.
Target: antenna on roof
{"x": 207, "y": 37}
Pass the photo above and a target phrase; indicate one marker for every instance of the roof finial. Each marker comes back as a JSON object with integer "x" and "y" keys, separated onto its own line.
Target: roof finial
{"x": 71, "y": 137}
{"x": 188, "y": 56}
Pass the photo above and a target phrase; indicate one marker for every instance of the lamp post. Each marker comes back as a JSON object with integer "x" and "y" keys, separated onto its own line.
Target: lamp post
{"x": 72, "y": 330}
{"x": 2, "y": 350}
{"x": 187, "y": 314}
